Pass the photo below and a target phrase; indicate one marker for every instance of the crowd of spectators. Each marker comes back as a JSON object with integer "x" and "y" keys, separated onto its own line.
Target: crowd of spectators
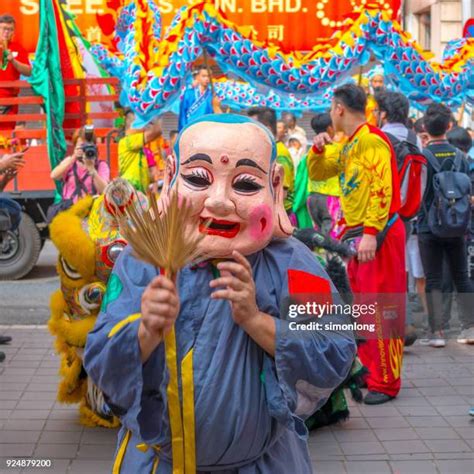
{"x": 362, "y": 131}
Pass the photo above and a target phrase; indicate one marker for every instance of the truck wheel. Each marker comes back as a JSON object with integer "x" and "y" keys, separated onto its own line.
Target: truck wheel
{"x": 19, "y": 251}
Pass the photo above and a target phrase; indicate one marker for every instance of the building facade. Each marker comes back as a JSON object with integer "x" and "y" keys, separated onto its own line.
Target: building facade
{"x": 435, "y": 22}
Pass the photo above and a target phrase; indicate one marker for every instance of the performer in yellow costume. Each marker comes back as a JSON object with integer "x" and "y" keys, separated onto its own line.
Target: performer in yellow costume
{"x": 88, "y": 239}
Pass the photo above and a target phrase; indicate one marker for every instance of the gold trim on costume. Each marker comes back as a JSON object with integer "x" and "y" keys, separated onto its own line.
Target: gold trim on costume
{"x": 155, "y": 465}
{"x": 121, "y": 453}
{"x": 188, "y": 413}
{"x": 123, "y": 323}
{"x": 174, "y": 406}
{"x": 142, "y": 447}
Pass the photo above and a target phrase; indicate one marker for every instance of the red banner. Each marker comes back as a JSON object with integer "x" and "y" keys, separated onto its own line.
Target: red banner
{"x": 294, "y": 24}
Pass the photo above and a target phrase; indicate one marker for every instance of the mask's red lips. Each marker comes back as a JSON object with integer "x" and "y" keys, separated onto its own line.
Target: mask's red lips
{"x": 219, "y": 227}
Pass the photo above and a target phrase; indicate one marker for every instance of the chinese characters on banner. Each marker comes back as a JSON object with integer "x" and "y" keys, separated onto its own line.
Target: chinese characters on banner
{"x": 293, "y": 24}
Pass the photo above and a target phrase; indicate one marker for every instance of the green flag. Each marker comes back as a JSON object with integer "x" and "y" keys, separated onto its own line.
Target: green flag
{"x": 46, "y": 81}
{"x": 300, "y": 202}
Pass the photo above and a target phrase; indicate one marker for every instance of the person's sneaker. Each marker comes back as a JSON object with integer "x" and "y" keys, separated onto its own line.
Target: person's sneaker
{"x": 425, "y": 339}
{"x": 466, "y": 336}
{"x": 410, "y": 339}
{"x": 471, "y": 411}
{"x": 437, "y": 340}
{"x": 377, "y": 398}
{"x": 5, "y": 339}
{"x": 2, "y": 356}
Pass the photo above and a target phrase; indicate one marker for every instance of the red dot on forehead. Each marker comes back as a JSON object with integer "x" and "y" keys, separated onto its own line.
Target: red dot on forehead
{"x": 224, "y": 159}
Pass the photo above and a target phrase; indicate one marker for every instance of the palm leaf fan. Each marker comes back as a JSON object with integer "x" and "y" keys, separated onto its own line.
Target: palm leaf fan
{"x": 161, "y": 238}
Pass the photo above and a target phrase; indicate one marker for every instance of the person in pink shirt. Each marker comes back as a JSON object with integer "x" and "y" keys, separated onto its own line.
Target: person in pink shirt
{"x": 80, "y": 173}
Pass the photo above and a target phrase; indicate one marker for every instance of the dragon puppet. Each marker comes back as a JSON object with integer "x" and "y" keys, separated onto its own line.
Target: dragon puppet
{"x": 153, "y": 67}
{"x": 88, "y": 239}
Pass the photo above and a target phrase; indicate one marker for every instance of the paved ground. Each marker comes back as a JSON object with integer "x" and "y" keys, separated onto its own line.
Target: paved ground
{"x": 426, "y": 430}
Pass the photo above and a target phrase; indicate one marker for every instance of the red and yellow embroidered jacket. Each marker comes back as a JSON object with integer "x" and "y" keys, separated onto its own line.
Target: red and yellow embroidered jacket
{"x": 368, "y": 175}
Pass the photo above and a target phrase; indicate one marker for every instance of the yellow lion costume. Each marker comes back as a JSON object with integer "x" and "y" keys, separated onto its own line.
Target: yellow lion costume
{"x": 88, "y": 239}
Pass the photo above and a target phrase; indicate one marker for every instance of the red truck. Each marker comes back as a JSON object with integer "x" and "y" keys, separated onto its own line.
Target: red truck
{"x": 33, "y": 188}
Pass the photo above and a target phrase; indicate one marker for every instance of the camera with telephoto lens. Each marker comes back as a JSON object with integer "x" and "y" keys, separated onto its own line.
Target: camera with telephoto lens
{"x": 89, "y": 147}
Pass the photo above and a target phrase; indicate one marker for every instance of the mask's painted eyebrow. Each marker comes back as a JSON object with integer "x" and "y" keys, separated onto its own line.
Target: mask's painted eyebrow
{"x": 247, "y": 162}
{"x": 197, "y": 157}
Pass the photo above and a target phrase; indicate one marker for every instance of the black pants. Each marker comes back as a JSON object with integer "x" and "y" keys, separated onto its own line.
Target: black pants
{"x": 447, "y": 288}
{"x": 432, "y": 251}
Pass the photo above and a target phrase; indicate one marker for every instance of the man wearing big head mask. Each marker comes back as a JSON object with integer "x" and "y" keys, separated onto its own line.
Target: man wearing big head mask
{"x": 253, "y": 380}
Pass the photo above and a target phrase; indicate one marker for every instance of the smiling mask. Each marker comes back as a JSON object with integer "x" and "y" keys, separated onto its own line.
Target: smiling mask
{"x": 225, "y": 166}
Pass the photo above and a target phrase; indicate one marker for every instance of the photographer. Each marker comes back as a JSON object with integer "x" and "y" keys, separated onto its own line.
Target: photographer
{"x": 82, "y": 172}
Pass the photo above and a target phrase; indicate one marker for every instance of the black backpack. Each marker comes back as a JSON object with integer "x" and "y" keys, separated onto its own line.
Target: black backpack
{"x": 450, "y": 212}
